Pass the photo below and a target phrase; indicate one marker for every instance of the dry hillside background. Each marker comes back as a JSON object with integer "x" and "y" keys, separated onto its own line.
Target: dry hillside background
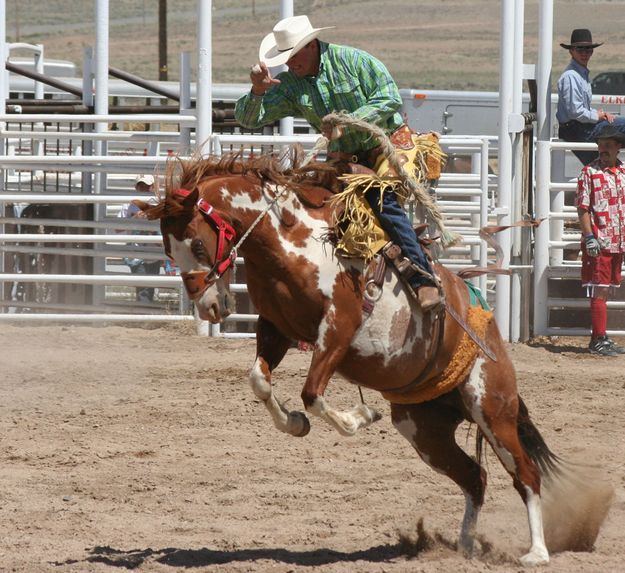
{"x": 427, "y": 44}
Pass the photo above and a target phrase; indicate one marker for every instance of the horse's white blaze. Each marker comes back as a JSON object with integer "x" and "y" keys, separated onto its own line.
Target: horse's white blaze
{"x": 538, "y": 554}
{"x": 181, "y": 253}
{"x": 477, "y": 384}
{"x": 211, "y": 298}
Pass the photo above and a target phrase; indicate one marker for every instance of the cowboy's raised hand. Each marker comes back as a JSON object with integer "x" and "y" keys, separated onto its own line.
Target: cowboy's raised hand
{"x": 261, "y": 79}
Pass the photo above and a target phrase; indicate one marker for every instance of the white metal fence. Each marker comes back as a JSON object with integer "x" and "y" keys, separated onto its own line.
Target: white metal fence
{"x": 465, "y": 198}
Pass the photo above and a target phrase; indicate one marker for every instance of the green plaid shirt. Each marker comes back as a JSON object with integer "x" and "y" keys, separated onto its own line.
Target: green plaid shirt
{"x": 349, "y": 80}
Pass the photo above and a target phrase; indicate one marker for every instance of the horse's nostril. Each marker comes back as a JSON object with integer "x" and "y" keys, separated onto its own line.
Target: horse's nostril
{"x": 229, "y": 303}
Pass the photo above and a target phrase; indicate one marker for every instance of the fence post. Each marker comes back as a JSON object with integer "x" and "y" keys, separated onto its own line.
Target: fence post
{"x": 184, "y": 145}
{"x": 4, "y": 88}
{"x": 557, "y": 206}
{"x": 543, "y": 166}
{"x": 506, "y": 148}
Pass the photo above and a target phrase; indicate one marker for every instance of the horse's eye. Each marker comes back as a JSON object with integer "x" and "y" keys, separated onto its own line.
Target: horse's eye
{"x": 198, "y": 250}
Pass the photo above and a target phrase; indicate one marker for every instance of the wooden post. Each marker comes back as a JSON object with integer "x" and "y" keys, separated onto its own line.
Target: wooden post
{"x": 162, "y": 40}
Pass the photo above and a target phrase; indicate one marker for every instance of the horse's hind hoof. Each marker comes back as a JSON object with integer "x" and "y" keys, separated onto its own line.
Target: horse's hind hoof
{"x": 298, "y": 424}
{"x": 535, "y": 558}
{"x": 369, "y": 414}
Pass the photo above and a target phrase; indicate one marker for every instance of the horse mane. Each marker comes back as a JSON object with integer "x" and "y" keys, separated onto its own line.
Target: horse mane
{"x": 266, "y": 168}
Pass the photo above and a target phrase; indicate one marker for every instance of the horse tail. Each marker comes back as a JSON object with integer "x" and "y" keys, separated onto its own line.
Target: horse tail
{"x": 532, "y": 441}
{"x": 534, "y": 445}
{"x": 575, "y": 497}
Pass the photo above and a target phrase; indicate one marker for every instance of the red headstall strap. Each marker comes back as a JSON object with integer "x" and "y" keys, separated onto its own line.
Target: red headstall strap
{"x": 225, "y": 233}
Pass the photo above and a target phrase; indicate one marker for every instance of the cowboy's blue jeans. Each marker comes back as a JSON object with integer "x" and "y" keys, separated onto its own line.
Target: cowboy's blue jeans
{"x": 395, "y": 222}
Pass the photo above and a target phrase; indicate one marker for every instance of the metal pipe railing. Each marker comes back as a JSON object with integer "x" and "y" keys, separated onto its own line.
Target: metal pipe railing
{"x": 105, "y": 163}
{"x": 100, "y": 118}
{"x": 43, "y": 79}
{"x": 146, "y": 84}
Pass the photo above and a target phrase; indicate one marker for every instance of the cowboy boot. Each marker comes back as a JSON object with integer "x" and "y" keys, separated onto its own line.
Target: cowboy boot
{"x": 429, "y": 297}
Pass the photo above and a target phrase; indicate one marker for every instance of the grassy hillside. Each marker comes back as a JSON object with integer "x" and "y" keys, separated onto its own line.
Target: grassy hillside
{"x": 428, "y": 44}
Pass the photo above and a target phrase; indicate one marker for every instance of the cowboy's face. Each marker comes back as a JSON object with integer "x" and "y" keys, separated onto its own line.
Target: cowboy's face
{"x": 581, "y": 55}
{"x": 306, "y": 61}
{"x": 608, "y": 151}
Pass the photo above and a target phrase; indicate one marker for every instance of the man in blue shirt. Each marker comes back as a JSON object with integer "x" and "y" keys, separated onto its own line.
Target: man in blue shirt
{"x": 578, "y": 120}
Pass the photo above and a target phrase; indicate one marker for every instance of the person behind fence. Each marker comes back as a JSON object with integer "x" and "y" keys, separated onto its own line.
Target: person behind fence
{"x": 323, "y": 78}
{"x": 600, "y": 202}
{"x": 578, "y": 121}
{"x": 143, "y": 184}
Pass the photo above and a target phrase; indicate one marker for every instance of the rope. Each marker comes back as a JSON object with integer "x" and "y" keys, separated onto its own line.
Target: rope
{"x": 320, "y": 145}
{"x": 340, "y": 119}
{"x": 233, "y": 251}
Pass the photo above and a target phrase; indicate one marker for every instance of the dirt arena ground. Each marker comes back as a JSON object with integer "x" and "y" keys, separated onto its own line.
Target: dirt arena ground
{"x": 144, "y": 449}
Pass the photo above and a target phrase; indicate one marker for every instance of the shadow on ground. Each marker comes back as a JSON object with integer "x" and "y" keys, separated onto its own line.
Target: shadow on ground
{"x": 558, "y": 348}
{"x": 133, "y": 558}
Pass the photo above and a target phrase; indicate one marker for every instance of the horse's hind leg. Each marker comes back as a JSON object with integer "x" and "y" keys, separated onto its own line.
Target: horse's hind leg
{"x": 271, "y": 346}
{"x": 430, "y": 427}
{"x": 491, "y": 396}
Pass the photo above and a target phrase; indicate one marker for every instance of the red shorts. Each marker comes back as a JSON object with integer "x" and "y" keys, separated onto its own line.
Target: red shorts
{"x": 604, "y": 270}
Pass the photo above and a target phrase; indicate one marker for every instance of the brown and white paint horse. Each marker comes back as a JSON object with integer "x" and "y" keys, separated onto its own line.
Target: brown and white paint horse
{"x": 303, "y": 291}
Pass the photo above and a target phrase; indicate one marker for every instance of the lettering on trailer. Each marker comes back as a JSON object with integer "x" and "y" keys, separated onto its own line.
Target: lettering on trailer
{"x": 613, "y": 99}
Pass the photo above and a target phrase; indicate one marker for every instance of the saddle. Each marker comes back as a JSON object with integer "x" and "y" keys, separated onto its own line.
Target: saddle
{"x": 314, "y": 197}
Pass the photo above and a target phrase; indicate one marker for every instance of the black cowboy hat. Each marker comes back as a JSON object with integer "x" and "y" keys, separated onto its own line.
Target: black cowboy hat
{"x": 581, "y": 37}
{"x": 611, "y": 132}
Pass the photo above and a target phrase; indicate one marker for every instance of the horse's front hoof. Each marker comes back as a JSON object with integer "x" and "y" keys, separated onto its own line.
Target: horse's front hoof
{"x": 298, "y": 424}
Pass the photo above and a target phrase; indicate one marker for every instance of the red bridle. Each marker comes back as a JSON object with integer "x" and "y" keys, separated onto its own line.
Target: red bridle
{"x": 196, "y": 282}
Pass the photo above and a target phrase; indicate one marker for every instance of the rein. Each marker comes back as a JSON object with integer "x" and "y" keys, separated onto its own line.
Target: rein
{"x": 196, "y": 282}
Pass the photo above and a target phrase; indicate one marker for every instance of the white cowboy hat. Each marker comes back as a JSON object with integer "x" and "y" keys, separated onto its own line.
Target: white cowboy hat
{"x": 289, "y": 36}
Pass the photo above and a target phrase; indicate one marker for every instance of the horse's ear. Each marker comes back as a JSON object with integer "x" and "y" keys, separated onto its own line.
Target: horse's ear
{"x": 190, "y": 200}
{"x": 149, "y": 209}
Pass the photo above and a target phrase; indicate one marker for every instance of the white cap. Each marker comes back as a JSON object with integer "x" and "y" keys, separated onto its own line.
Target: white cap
{"x": 147, "y": 179}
